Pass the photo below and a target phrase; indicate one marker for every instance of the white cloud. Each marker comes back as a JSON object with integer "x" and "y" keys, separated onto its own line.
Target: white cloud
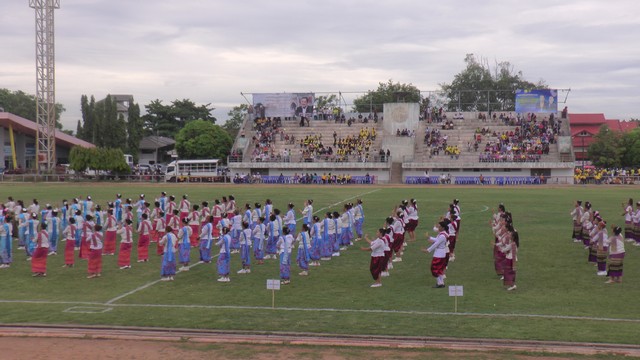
{"x": 210, "y": 51}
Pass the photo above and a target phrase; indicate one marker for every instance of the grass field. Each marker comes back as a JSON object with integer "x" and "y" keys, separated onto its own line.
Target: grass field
{"x": 559, "y": 297}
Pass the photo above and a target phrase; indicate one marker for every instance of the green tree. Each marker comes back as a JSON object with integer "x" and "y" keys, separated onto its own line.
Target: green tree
{"x": 606, "y": 150}
{"x": 236, "y": 119}
{"x": 201, "y": 139}
{"x": 24, "y": 105}
{"x": 388, "y": 92}
{"x": 79, "y": 159}
{"x": 479, "y": 88}
{"x": 167, "y": 120}
{"x": 134, "y": 131}
{"x": 103, "y": 159}
{"x": 630, "y": 145}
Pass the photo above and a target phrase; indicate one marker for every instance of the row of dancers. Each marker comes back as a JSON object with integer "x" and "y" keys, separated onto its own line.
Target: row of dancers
{"x": 604, "y": 251}
{"x": 505, "y": 247}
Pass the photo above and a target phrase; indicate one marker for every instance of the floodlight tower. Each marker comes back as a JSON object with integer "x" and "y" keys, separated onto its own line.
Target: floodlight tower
{"x": 45, "y": 83}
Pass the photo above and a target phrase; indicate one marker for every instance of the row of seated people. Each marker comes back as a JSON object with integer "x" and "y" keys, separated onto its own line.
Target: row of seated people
{"x": 476, "y": 180}
{"x": 510, "y": 157}
{"x": 308, "y": 178}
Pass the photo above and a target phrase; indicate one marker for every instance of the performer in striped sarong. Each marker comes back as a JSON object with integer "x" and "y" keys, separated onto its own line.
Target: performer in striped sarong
{"x": 636, "y": 225}
{"x": 616, "y": 256}
{"x": 587, "y": 216}
{"x": 602, "y": 249}
{"x": 629, "y": 233}
{"x": 576, "y": 215}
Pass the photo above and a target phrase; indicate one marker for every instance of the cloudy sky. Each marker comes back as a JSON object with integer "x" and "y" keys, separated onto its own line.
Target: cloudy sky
{"x": 211, "y": 50}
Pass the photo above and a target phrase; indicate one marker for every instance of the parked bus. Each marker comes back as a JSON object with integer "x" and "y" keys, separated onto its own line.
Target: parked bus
{"x": 205, "y": 170}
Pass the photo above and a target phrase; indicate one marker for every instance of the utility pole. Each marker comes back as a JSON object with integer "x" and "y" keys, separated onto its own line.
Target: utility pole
{"x": 45, "y": 84}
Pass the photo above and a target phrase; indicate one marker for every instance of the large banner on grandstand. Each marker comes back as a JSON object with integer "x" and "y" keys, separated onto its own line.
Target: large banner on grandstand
{"x": 283, "y": 104}
{"x": 537, "y": 101}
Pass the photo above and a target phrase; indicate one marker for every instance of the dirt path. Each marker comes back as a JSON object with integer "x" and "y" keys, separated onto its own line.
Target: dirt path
{"x": 62, "y": 342}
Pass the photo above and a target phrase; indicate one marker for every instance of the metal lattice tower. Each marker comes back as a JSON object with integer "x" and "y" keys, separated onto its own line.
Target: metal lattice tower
{"x": 45, "y": 83}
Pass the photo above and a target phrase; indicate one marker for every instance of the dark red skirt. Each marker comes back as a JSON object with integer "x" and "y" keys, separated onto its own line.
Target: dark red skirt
{"x": 452, "y": 243}
{"x": 84, "y": 248}
{"x": 143, "y": 247}
{"x": 124, "y": 257}
{"x": 438, "y": 265}
{"x": 39, "y": 260}
{"x": 95, "y": 261}
{"x": 498, "y": 257}
{"x": 411, "y": 225}
{"x": 110, "y": 242}
{"x": 160, "y": 248}
{"x": 398, "y": 240}
{"x": 69, "y": 252}
{"x": 377, "y": 266}
{"x": 195, "y": 233}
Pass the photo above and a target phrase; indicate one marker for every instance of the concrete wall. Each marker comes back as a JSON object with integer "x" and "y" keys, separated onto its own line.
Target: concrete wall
{"x": 401, "y": 116}
{"x": 400, "y": 146}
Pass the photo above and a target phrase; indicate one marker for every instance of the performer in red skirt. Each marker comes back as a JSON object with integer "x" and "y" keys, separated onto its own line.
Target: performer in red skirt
{"x": 39, "y": 257}
{"x": 87, "y": 231}
{"x": 159, "y": 231}
{"x": 439, "y": 249}
{"x": 111, "y": 226}
{"x": 69, "y": 238}
{"x": 194, "y": 224}
{"x": 185, "y": 205}
{"x": 144, "y": 230}
{"x": 217, "y": 212}
{"x": 376, "y": 265}
{"x": 126, "y": 242}
{"x": 95, "y": 253}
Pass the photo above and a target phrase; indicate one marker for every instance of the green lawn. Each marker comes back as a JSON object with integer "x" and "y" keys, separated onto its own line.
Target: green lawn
{"x": 554, "y": 278}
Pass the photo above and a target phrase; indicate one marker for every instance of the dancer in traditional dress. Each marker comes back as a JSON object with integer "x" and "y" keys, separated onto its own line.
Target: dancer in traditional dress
{"x": 69, "y": 234}
{"x": 411, "y": 219}
{"x": 439, "y": 249}
{"x": 6, "y": 231}
{"x": 284, "y": 250}
{"x": 194, "y": 224}
{"x": 376, "y": 265}
{"x": 587, "y": 216}
{"x": 628, "y": 220}
{"x": 144, "y": 230}
{"x": 257, "y": 235}
{"x": 245, "y": 248}
{"x": 53, "y": 226}
{"x": 184, "y": 207}
{"x": 159, "y": 227}
{"x": 358, "y": 216}
{"x": 236, "y": 229}
{"x": 616, "y": 256}
{"x": 397, "y": 233}
{"x": 307, "y": 212}
{"x": 273, "y": 233}
{"x": 602, "y": 250}
{"x": 304, "y": 247}
{"x": 217, "y": 213}
{"x": 316, "y": 242}
{"x": 184, "y": 249}
{"x": 168, "y": 243}
{"x": 94, "y": 266}
{"x": 40, "y": 252}
{"x": 290, "y": 219}
{"x": 509, "y": 247}
{"x": 126, "y": 243}
{"x": 111, "y": 226}
{"x": 224, "y": 257}
{"x": 206, "y": 240}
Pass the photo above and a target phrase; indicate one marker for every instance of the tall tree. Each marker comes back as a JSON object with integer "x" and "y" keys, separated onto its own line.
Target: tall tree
{"x": 388, "y": 92}
{"x": 200, "y": 139}
{"x": 24, "y": 105}
{"x": 167, "y": 120}
{"x": 606, "y": 151}
{"x": 236, "y": 119}
{"x": 478, "y": 87}
{"x": 134, "y": 130}
{"x": 630, "y": 148}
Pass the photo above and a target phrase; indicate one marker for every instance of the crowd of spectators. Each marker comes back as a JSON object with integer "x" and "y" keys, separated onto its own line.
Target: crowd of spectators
{"x": 527, "y": 143}
{"x": 594, "y": 175}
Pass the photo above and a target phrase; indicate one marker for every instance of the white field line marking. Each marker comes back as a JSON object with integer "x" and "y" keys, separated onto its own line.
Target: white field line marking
{"x": 365, "y": 311}
{"x": 110, "y": 302}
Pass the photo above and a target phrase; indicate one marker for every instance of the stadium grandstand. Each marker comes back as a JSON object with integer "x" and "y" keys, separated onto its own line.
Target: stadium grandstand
{"x": 402, "y": 147}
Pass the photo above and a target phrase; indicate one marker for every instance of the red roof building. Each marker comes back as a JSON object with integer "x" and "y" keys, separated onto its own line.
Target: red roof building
{"x": 585, "y": 126}
{"x": 24, "y": 134}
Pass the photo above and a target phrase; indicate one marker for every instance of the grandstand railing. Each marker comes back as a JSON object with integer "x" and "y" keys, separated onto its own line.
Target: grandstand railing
{"x": 314, "y": 159}
{"x": 317, "y": 179}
